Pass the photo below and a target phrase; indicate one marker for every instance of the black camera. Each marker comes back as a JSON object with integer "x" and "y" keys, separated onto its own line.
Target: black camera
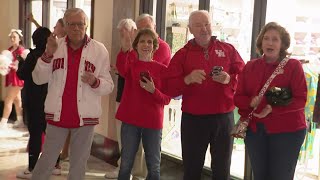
{"x": 277, "y": 96}
{"x": 216, "y": 70}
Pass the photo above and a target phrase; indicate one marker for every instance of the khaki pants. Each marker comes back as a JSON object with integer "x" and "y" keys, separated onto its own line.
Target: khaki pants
{"x": 139, "y": 169}
{"x": 80, "y": 146}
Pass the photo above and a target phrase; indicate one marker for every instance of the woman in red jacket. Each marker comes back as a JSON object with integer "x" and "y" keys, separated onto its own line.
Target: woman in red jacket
{"x": 142, "y": 103}
{"x": 275, "y": 133}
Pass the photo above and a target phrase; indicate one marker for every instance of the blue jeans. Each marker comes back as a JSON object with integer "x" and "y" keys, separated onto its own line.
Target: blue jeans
{"x": 130, "y": 139}
{"x": 273, "y": 156}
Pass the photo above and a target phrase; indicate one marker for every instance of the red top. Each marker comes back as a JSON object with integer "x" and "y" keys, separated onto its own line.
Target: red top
{"x": 288, "y": 118}
{"x": 69, "y": 112}
{"x": 210, "y": 97}
{"x": 139, "y": 107}
{"x": 12, "y": 78}
{"x": 163, "y": 53}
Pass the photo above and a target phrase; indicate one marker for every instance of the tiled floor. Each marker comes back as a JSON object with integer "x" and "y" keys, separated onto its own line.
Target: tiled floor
{"x": 13, "y": 158}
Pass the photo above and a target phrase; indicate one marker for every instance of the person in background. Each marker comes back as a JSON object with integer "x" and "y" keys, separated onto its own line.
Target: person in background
{"x": 275, "y": 133}
{"x": 76, "y": 69}
{"x": 124, "y": 26}
{"x": 12, "y": 83}
{"x": 58, "y": 30}
{"x": 142, "y": 104}
{"x": 161, "y": 55}
{"x": 33, "y": 102}
{"x": 205, "y": 73}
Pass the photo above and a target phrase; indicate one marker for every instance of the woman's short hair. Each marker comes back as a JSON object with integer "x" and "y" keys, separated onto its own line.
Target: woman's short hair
{"x": 61, "y": 22}
{"x": 284, "y": 36}
{"x": 149, "y": 32}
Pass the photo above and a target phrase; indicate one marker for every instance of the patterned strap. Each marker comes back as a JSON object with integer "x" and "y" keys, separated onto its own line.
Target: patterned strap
{"x": 276, "y": 72}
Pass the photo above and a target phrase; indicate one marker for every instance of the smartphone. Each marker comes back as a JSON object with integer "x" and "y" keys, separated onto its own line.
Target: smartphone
{"x": 216, "y": 70}
{"x": 145, "y": 74}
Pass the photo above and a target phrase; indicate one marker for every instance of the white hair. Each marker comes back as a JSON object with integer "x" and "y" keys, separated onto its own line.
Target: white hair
{"x": 142, "y": 16}
{"x": 205, "y": 12}
{"x": 129, "y": 24}
{"x": 74, "y": 11}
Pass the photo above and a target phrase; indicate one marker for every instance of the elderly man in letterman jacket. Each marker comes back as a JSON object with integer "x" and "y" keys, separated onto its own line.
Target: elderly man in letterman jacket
{"x": 76, "y": 69}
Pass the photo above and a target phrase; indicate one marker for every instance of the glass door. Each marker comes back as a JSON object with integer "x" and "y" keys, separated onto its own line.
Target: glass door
{"x": 302, "y": 20}
{"x": 232, "y": 23}
{"x": 176, "y": 35}
{"x": 57, "y": 9}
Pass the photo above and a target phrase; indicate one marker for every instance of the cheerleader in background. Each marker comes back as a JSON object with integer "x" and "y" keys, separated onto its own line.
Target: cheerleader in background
{"x": 13, "y": 84}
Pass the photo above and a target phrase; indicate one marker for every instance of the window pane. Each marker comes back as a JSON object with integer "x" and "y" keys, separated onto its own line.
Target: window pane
{"x": 302, "y": 21}
{"x": 57, "y": 10}
{"x": 178, "y": 11}
{"x": 177, "y": 35}
{"x": 232, "y": 23}
{"x": 86, "y": 6}
{"x": 36, "y": 9}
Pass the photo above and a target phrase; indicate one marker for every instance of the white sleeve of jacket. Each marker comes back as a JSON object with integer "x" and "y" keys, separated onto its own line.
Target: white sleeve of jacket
{"x": 106, "y": 83}
{"x": 42, "y": 72}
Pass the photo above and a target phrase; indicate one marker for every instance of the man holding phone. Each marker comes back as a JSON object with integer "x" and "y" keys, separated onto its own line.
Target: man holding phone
{"x": 205, "y": 72}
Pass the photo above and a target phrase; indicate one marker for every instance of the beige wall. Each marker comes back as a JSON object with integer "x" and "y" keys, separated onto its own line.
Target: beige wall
{"x": 9, "y": 18}
{"x": 105, "y": 23}
{"x": 102, "y": 32}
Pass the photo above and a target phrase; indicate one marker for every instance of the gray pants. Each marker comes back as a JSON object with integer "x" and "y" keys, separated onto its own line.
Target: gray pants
{"x": 80, "y": 146}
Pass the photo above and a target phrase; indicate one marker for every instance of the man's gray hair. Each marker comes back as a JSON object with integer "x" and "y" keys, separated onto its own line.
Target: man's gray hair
{"x": 198, "y": 12}
{"x": 74, "y": 11}
{"x": 129, "y": 24}
{"x": 142, "y": 16}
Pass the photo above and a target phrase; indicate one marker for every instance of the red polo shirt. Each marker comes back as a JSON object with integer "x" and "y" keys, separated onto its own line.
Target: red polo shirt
{"x": 69, "y": 114}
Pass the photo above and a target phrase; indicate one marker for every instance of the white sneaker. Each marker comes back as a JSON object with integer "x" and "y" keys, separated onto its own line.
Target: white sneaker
{"x": 112, "y": 174}
{"x": 3, "y": 125}
{"x": 25, "y": 174}
{"x": 18, "y": 124}
{"x": 56, "y": 171}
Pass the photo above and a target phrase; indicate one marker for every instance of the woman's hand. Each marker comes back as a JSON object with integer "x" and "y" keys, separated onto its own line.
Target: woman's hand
{"x": 265, "y": 111}
{"x": 255, "y": 101}
{"x": 148, "y": 85}
{"x": 14, "y": 65}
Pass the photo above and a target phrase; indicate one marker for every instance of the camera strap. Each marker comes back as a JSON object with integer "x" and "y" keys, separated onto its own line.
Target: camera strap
{"x": 277, "y": 71}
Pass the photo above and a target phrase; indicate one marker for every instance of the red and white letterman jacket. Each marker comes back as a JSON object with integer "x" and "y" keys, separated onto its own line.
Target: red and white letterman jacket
{"x": 94, "y": 58}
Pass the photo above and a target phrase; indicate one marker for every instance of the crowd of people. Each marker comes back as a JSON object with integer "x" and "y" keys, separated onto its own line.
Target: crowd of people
{"x": 67, "y": 73}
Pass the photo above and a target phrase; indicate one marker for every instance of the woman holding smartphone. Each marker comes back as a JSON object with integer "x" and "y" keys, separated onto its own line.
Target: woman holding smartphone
{"x": 142, "y": 104}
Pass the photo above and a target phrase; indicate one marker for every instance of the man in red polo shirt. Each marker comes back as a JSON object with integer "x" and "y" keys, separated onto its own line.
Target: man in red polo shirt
{"x": 76, "y": 69}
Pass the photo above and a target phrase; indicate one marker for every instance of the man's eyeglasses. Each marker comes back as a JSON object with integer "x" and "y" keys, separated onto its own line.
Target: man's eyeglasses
{"x": 73, "y": 25}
